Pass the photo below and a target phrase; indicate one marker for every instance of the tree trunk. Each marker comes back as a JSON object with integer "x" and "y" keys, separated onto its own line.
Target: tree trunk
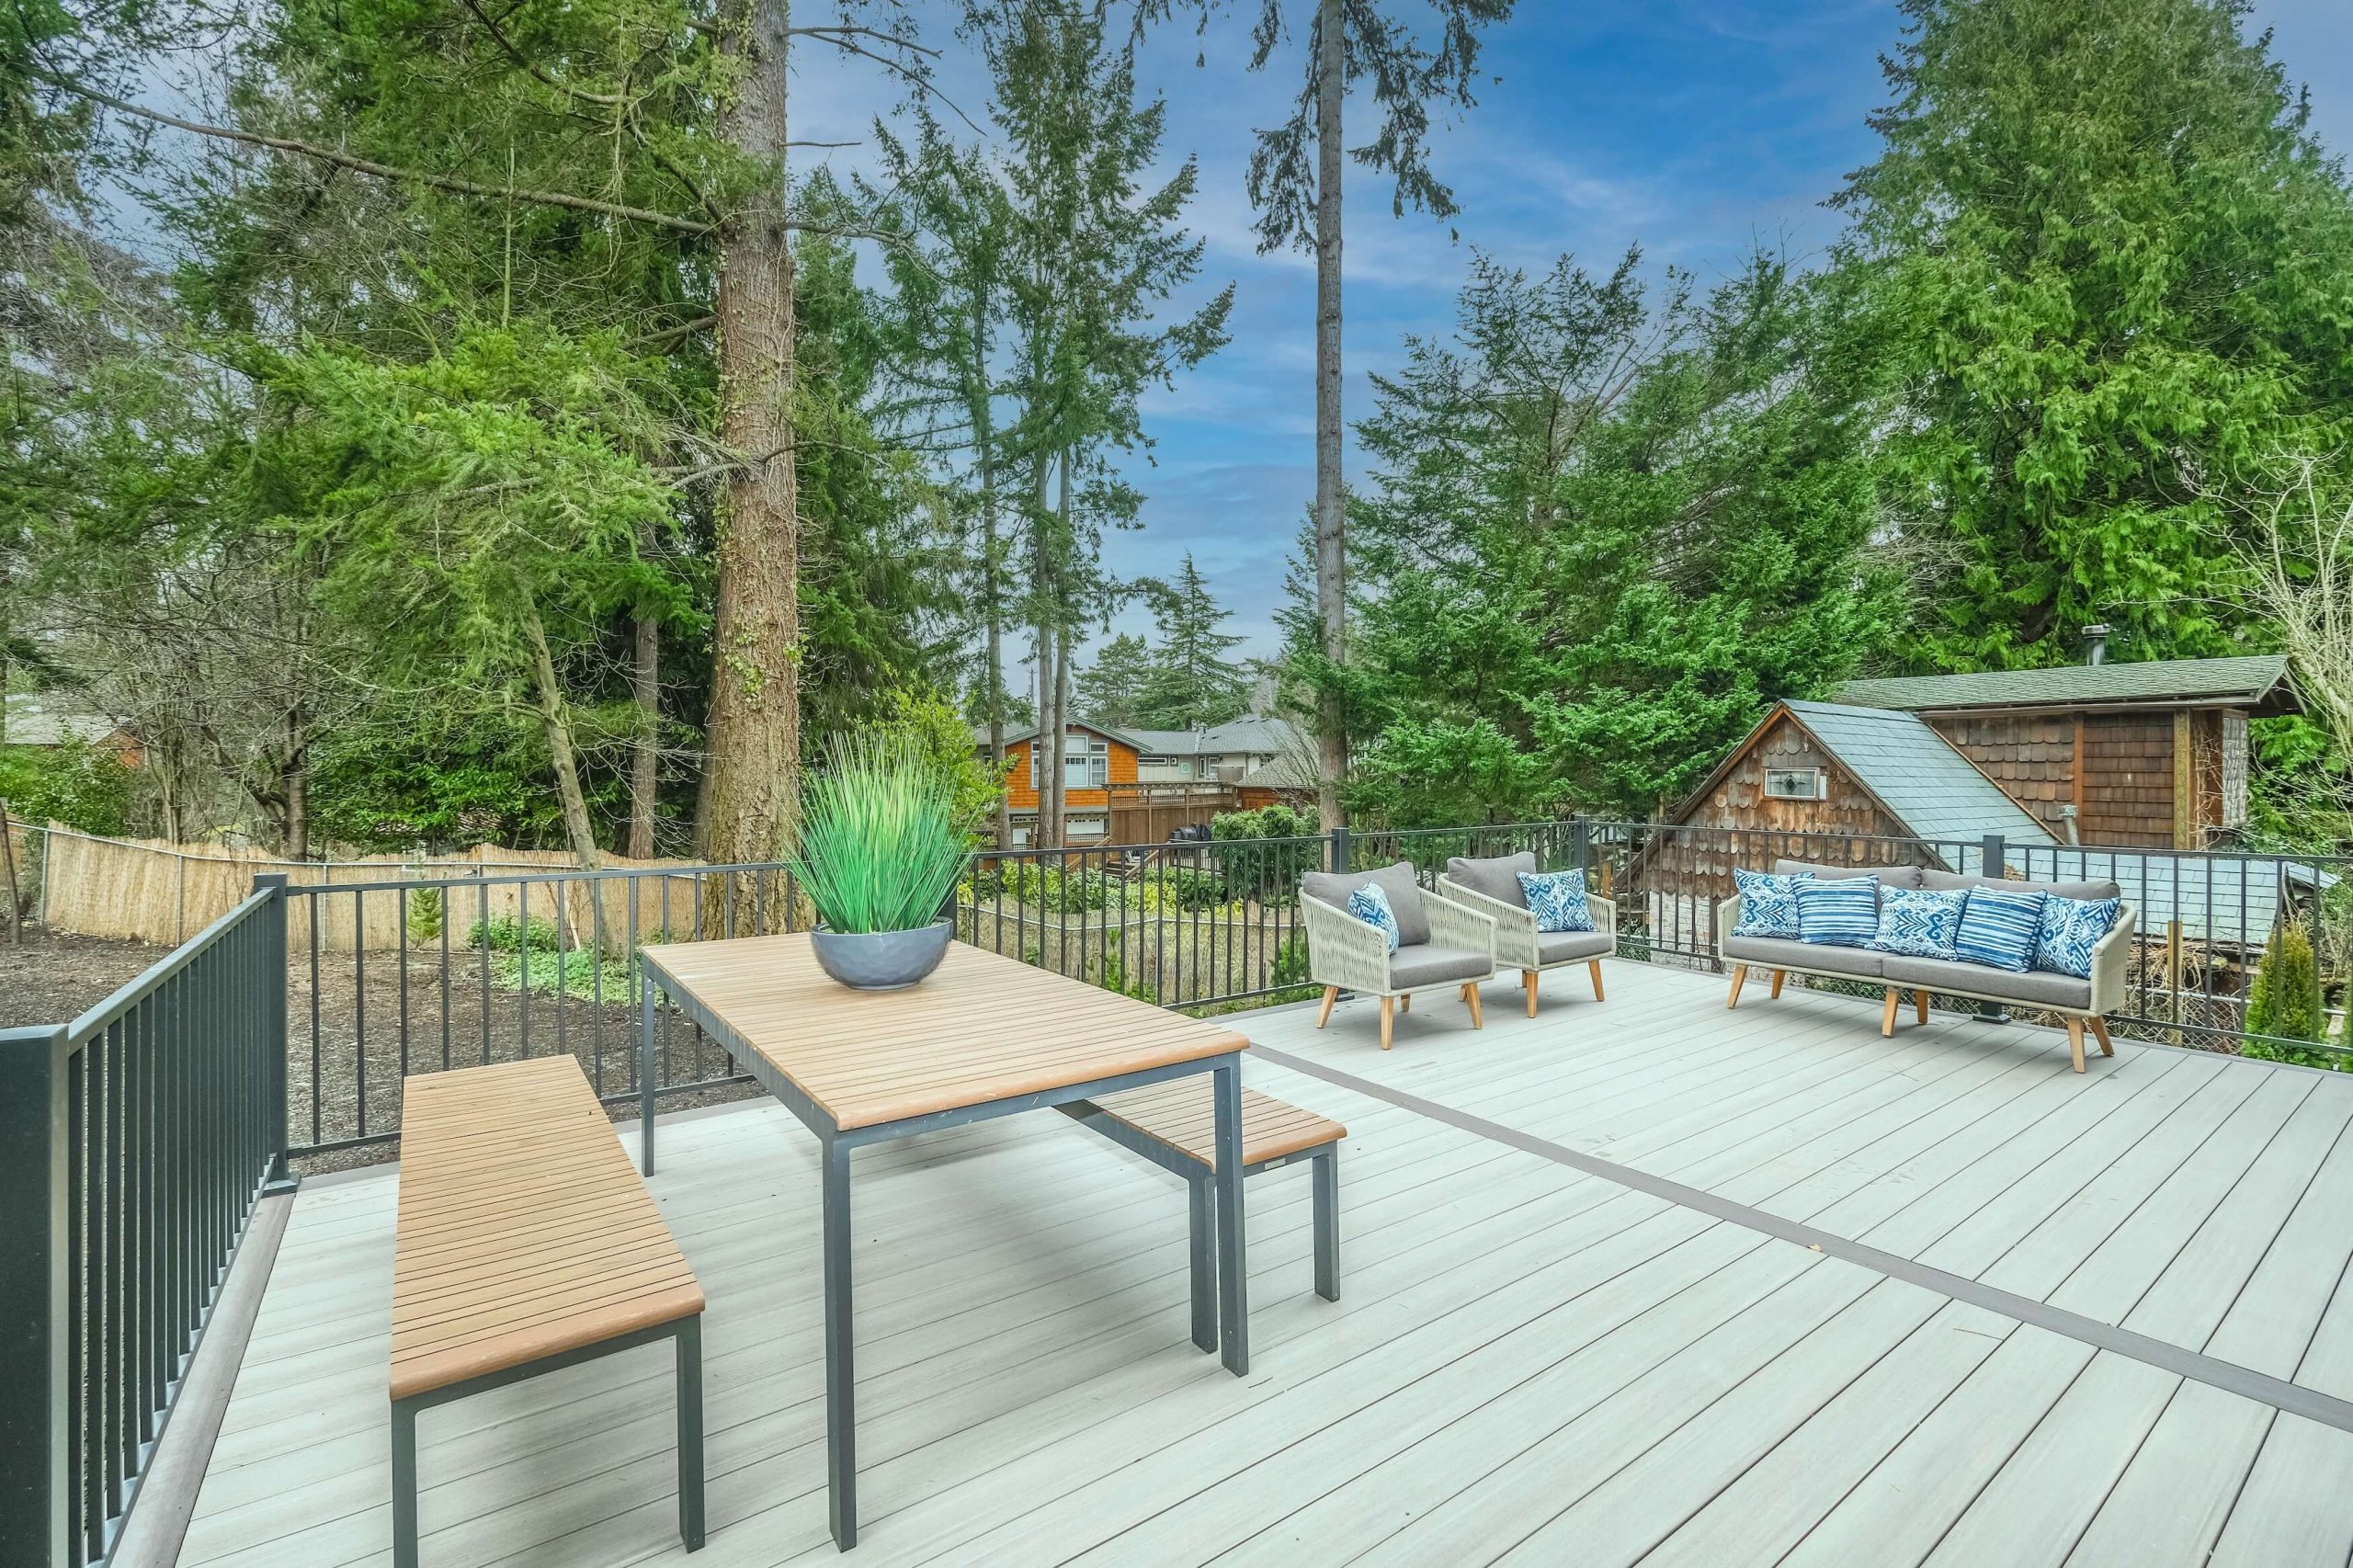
{"x": 1064, "y": 620}
{"x": 645, "y": 691}
{"x": 992, "y": 601}
{"x": 555, "y": 724}
{"x": 751, "y": 780}
{"x": 297, "y": 803}
{"x": 1331, "y": 559}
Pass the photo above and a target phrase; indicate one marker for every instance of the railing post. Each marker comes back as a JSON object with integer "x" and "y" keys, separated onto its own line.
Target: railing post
{"x": 270, "y": 963}
{"x": 35, "y": 1483}
{"x": 1339, "y": 850}
{"x": 1993, "y": 862}
{"x": 1580, "y": 841}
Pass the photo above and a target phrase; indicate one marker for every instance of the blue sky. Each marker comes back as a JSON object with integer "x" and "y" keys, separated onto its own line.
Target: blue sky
{"x": 1697, "y": 130}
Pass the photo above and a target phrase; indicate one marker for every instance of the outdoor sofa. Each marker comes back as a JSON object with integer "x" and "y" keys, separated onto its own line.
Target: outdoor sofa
{"x": 1440, "y": 943}
{"x": 2081, "y": 1003}
{"x": 1491, "y": 887}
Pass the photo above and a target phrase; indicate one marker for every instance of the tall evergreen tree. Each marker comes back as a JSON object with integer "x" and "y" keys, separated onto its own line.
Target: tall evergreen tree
{"x": 2103, "y": 247}
{"x": 1111, "y": 689}
{"x": 1194, "y": 681}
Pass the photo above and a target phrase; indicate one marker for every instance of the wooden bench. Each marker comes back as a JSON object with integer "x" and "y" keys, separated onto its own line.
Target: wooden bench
{"x": 1174, "y": 1125}
{"x": 526, "y": 1243}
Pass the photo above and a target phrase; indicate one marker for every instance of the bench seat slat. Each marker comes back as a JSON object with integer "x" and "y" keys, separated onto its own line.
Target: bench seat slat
{"x": 524, "y": 1231}
{"x": 1182, "y": 1113}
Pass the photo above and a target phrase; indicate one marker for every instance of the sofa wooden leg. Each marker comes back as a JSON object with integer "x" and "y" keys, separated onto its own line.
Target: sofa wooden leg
{"x": 2075, "y": 1041}
{"x": 1739, "y": 978}
{"x": 1405, "y": 1003}
{"x": 1778, "y": 975}
{"x": 1471, "y": 1000}
{"x": 2099, "y": 1031}
{"x": 1887, "y": 1014}
{"x": 1921, "y": 1000}
{"x": 1527, "y": 983}
{"x": 1387, "y": 1020}
{"x": 1593, "y": 968}
{"x": 1324, "y": 1014}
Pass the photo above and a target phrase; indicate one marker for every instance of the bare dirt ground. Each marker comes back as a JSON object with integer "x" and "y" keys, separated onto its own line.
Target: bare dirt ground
{"x": 53, "y": 979}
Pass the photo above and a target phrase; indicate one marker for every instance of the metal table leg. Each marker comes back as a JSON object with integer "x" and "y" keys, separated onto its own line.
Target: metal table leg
{"x": 1232, "y": 1281}
{"x": 841, "y": 1378}
{"x": 1204, "y": 1228}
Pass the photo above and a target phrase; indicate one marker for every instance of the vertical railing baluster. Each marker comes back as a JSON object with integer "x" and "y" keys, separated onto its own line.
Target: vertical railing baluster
{"x": 359, "y": 1010}
{"x": 482, "y": 943}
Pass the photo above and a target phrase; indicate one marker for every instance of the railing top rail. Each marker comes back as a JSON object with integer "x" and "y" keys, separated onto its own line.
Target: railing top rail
{"x": 552, "y": 874}
{"x": 152, "y": 979}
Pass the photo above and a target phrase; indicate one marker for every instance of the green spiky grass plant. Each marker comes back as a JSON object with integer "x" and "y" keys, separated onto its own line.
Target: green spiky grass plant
{"x": 878, "y": 849}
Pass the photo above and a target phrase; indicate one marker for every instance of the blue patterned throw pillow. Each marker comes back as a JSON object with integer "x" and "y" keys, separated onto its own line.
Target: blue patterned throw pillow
{"x": 1557, "y": 900}
{"x": 2071, "y": 929}
{"x": 1998, "y": 928}
{"x": 1369, "y": 905}
{"x": 1768, "y": 904}
{"x": 1843, "y": 913}
{"x": 1917, "y": 923}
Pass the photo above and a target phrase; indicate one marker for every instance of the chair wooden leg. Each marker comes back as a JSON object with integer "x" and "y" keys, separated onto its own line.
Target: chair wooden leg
{"x": 1920, "y": 999}
{"x": 1778, "y": 975}
{"x": 1405, "y": 1003}
{"x": 1471, "y": 1000}
{"x": 1527, "y": 983}
{"x": 2075, "y": 1041}
{"x": 1887, "y": 1014}
{"x": 1739, "y": 978}
{"x": 2100, "y": 1030}
{"x": 1324, "y": 1014}
{"x": 1387, "y": 1020}
{"x": 1593, "y": 968}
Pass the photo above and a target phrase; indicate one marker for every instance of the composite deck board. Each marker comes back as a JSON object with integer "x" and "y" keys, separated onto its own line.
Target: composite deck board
{"x": 1526, "y": 1357}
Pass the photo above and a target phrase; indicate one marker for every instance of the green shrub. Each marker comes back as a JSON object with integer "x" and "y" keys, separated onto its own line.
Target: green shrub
{"x": 1290, "y": 966}
{"x": 1264, "y": 870}
{"x": 1182, "y": 887}
{"x": 425, "y": 914}
{"x": 506, "y": 933}
{"x": 2284, "y": 1000}
{"x": 1042, "y": 887}
{"x": 88, "y": 790}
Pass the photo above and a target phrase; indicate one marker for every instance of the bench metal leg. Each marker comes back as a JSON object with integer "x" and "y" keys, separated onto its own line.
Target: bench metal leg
{"x": 841, "y": 1378}
{"x": 1326, "y": 1175}
{"x": 1234, "y": 1307}
{"x": 1204, "y": 1228}
{"x": 690, "y": 1432}
{"x": 645, "y": 1079}
{"x": 403, "y": 1484}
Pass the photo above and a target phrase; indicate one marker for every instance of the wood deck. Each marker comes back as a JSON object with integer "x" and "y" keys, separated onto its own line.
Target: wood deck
{"x": 1634, "y": 1281}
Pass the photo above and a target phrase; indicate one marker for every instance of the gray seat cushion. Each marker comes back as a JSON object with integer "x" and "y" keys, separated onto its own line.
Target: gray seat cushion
{"x": 1397, "y": 882}
{"x": 1567, "y": 946}
{"x": 1498, "y": 877}
{"x": 1429, "y": 965}
{"x": 2035, "y": 988}
{"x": 1889, "y": 876}
{"x": 1806, "y": 957}
{"x": 1955, "y": 881}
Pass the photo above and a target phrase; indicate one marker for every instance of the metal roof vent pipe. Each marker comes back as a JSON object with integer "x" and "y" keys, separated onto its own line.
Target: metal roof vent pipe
{"x": 2068, "y": 829}
{"x": 2095, "y": 644}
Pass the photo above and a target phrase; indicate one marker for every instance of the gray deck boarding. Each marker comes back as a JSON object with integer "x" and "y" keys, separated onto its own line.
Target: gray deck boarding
{"x": 1530, "y": 1361}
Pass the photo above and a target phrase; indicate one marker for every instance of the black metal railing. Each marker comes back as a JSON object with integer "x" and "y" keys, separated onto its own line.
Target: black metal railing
{"x": 134, "y": 1142}
{"x": 418, "y": 974}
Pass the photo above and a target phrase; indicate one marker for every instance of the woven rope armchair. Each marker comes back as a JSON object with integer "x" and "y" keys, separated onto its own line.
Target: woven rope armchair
{"x": 1519, "y": 945}
{"x": 1348, "y": 954}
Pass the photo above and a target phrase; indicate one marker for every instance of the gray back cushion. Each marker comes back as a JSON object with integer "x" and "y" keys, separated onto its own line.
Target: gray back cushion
{"x": 1889, "y": 876}
{"x": 1397, "y": 882}
{"x": 1498, "y": 877}
{"x": 1952, "y": 881}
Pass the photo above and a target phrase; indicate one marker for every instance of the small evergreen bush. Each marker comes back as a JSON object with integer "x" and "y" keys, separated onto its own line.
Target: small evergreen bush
{"x": 2284, "y": 1000}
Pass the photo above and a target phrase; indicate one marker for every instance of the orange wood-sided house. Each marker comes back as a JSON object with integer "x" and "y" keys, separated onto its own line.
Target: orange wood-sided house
{"x": 1136, "y": 786}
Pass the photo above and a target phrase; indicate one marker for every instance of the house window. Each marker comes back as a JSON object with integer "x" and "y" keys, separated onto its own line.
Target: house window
{"x": 1087, "y": 762}
{"x": 1796, "y": 784}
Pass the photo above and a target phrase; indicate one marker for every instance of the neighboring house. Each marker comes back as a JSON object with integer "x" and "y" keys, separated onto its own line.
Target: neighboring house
{"x": 1135, "y": 786}
{"x": 1851, "y": 772}
{"x": 33, "y": 718}
{"x": 2145, "y": 756}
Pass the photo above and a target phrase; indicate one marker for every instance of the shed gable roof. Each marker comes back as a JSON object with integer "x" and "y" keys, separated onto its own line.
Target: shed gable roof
{"x": 1931, "y": 789}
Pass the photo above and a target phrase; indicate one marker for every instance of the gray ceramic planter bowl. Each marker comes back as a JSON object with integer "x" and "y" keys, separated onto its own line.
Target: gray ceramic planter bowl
{"x": 881, "y": 961}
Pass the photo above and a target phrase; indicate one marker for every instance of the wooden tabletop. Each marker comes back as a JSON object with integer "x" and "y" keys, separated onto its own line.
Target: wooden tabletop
{"x": 980, "y": 1028}
{"x": 524, "y": 1231}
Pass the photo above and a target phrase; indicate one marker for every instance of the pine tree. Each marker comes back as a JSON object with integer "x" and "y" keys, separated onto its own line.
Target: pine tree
{"x": 1194, "y": 682}
{"x": 1111, "y": 689}
{"x": 2284, "y": 1000}
{"x": 2104, "y": 261}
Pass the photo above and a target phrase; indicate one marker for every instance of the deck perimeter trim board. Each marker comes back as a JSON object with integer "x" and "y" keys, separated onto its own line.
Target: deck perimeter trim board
{"x": 2228, "y": 1376}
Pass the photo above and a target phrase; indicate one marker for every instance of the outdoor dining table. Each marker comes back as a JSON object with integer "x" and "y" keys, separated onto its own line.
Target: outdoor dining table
{"x": 985, "y": 1036}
